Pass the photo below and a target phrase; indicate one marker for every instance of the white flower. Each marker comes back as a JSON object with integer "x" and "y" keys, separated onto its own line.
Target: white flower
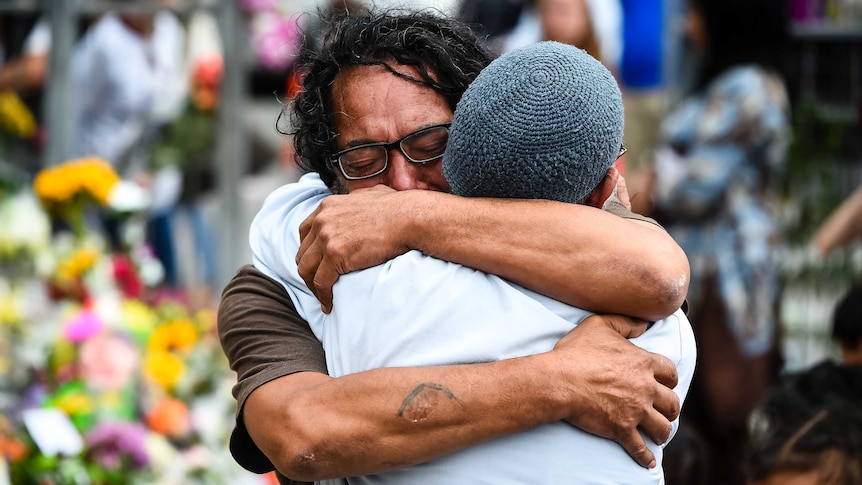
{"x": 24, "y": 226}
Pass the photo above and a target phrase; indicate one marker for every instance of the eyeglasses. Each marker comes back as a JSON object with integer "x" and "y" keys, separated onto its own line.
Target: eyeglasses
{"x": 366, "y": 161}
{"x": 623, "y": 151}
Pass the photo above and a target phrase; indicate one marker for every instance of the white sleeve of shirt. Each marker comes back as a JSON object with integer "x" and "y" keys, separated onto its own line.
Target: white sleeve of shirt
{"x": 274, "y": 240}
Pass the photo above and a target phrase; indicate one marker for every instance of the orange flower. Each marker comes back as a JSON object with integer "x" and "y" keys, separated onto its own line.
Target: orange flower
{"x": 169, "y": 417}
{"x": 12, "y": 449}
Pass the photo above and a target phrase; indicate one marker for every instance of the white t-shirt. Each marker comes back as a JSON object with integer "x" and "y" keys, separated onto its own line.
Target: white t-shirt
{"x": 416, "y": 310}
{"x": 126, "y": 85}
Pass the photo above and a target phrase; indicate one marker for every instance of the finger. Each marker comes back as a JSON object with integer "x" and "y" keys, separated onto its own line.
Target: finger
{"x": 665, "y": 371}
{"x": 636, "y": 447}
{"x": 625, "y": 326}
{"x": 305, "y": 239}
{"x": 622, "y": 192}
{"x": 657, "y": 427}
{"x": 308, "y": 264}
{"x": 615, "y": 177}
{"x": 308, "y": 223}
{"x": 324, "y": 279}
{"x": 666, "y": 403}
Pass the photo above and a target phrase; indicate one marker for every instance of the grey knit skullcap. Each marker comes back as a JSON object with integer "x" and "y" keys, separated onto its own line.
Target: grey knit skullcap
{"x": 541, "y": 122}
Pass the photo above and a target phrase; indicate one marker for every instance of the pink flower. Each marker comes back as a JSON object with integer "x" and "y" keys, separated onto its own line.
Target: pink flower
{"x": 108, "y": 362}
{"x": 275, "y": 39}
{"x": 82, "y": 326}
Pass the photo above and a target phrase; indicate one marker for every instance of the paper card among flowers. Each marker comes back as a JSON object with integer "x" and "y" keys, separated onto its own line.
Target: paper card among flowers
{"x": 53, "y": 432}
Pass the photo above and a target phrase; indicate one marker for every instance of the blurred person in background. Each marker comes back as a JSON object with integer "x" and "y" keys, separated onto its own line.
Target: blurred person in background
{"x": 808, "y": 430}
{"x": 592, "y": 25}
{"x": 491, "y": 18}
{"x": 23, "y": 67}
{"x": 847, "y": 326}
{"x": 128, "y": 80}
{"x": 711, "y": 185}
{"x": 641, "y": 77}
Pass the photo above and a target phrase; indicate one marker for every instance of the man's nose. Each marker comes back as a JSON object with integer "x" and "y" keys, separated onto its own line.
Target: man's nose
{"x": 404, "y": 174}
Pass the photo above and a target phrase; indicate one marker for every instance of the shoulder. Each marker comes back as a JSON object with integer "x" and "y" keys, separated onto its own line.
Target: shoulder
{"x": 278, "y": 220}
{"x": 306, "y": 192}
{"x": 248, "y": 280}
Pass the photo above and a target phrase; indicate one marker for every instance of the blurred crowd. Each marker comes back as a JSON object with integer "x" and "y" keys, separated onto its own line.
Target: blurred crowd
{"x": 708, "y": 128}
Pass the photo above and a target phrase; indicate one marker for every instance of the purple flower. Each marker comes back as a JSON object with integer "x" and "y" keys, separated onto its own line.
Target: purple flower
{"x": 111, "y": 442}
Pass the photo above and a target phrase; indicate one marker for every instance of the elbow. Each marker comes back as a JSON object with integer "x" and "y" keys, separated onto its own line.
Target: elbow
{"x": 670, "y": 286}
{"x": 294, "y": 442}
{"x": 301, "y": 454}
{"x": 302, "y": 463}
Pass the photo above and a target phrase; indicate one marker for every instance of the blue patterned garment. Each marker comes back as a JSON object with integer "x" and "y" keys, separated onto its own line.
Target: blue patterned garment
{"x": 723, "y": 149}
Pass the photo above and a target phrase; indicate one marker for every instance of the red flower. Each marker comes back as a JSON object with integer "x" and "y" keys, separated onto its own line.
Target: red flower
{"x": 126, "y": 276}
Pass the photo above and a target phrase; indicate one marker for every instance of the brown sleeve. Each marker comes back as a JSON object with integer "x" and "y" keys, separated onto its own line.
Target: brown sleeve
{"x": 264, "y": 338}
{"x": 618, "y": 209}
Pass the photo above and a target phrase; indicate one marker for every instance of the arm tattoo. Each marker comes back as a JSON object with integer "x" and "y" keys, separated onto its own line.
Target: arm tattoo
{"x": 420, "y": 403}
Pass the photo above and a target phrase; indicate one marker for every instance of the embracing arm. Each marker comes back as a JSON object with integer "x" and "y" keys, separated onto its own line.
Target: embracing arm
{"x": 577, "y": 254}
{"x": 311, "y": 426}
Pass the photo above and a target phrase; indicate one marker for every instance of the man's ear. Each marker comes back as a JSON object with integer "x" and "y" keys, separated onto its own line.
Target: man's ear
{"x": 603, "y": 190}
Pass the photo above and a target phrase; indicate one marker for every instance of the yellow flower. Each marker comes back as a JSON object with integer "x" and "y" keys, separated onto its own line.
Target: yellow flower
{"x": 15, "y": 117}
{"x": 10, "y": 312}
{"x": 75, "y": 403}
{"x": 176, "y": 335}
{"x": 164, "y": 368}
{"x": 90, "y": 175}
{"x": 139, "y": 318}
{"x": 79, "y": 263}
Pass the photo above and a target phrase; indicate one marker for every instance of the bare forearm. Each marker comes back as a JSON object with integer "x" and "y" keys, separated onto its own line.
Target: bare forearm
{"x": 388, "y": 418}
{"x": 577, "y": 254}
{"x": 842, "y": 227}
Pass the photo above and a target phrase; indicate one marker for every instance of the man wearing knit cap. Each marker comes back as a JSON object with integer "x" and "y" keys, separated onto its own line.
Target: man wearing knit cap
{"x": 542, "y": 122}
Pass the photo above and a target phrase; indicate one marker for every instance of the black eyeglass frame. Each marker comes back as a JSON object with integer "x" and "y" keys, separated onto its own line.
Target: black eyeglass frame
{"x": 623, "y": 151}
{"x": 336, "y": 158}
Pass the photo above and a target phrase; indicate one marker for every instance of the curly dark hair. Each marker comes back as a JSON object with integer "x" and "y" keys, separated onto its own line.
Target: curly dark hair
{"x": 445, "y": 52}
{"x": 811, "y": 421}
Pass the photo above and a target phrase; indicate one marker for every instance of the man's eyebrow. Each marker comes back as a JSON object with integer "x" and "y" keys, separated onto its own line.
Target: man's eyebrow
{"x": 359, "y": 142}
{"x": 367, "y": 141}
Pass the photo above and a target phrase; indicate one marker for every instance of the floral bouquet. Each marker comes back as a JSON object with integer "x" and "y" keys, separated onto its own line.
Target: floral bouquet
{"x": 143, "y": 390}
{"x": 102, "y": 379}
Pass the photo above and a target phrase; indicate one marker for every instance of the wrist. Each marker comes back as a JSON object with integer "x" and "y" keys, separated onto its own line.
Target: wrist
{"x": 554, "y": 390}
{"x": 418, "y": 217}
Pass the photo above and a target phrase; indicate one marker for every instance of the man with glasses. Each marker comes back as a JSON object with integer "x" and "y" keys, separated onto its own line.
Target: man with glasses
{"x": 312, "y": 426}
